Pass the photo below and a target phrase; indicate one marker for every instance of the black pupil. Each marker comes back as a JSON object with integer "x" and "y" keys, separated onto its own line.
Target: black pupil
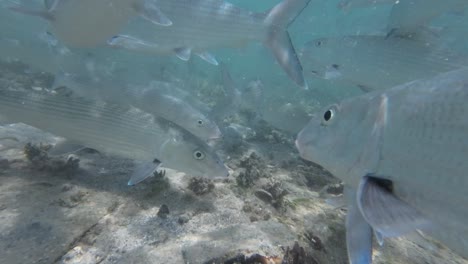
{"x": 198, "y": 154}
{"x": 200, "y": 122}
{"x": 327, "y": 115}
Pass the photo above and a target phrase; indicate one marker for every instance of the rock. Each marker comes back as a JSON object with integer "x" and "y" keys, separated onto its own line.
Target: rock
{"x": 163, "y": 211}
{"x": 297, "y": 255}
{"x": 183, "y": 219}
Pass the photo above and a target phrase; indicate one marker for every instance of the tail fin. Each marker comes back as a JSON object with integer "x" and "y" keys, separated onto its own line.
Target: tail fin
{"x": 278, "y": 19}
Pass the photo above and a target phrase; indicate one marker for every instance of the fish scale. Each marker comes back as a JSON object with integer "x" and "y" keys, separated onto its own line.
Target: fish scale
{"x": 415, "y": 136}
{"x": 123, "y": 131}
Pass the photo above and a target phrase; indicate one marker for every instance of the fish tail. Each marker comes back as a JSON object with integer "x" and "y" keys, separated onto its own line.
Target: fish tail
{"x": 278, "y": 41}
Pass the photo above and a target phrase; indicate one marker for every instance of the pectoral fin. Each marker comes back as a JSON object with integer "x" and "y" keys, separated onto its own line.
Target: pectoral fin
{"x": 379, "y": 237}
{"x": 143, "y": 171}
{"x": 208, "y": 57}
{"x": 183, "y": 53}
{"x": 152, "y": 13}
{"x": 358, "y": 232}
{"x": 387, "y": 214}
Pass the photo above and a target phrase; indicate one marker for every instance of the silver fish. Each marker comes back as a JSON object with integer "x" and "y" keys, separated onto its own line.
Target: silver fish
{"x": 402, "y": 155}
{"x": 349, "y": 4}
{"x": 408, "y": 16}
{"x": 201, "y": 25}
{"x": 88, "y": 23}
{"x": 146, "y": 98}
{"x": 126, "y": 132}
{"x": 377, "y": 62}
{"x": 285, "y": 116}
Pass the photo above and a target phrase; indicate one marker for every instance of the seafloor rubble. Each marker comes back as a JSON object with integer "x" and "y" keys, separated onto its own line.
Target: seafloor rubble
{"x": 79, "y": 209}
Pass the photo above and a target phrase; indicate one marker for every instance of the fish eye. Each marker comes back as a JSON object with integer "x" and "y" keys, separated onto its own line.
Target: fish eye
{"x": 335, "y": 66}
{"x": 200, "y": 122}
{"x": 318, "y": 43}
{"x": 328, "y": 116}
{"x": 198, "y": 155}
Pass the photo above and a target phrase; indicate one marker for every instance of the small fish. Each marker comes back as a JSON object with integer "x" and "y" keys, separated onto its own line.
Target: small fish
{"x": 288, "y": 117}
{"x": 175, "y": 110}
{"x": 110, "y": 128}
{"x": 410, "y": 16}
{"x": 203, "y": 25}
{"x": 349, "y": 4}
{"x": 134, "y": 44}
{"x": 402, "y": 155}
{"x": 146, "y": 98}
{"x": 254, "y": 95}
{"x": 377, "y": 62}
{"x": 89, "y": 23}
{"x": 232, "y": 99}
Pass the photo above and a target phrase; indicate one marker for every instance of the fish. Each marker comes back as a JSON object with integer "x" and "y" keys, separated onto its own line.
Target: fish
{"x": 401, "y": 154}
{"x": 18, "y": 43}
{"x": 411, "y": 16}
{"x": 254, "y": 95}
{"x": 144, "y": 97}
{"x": 202, "y": 25}
{"x": 113, "y": 129}
{"x": 232, "y": 100}
{"x": 128, "y": 42}
{"x": 288, "y": 117}
{"x": 377, "y": 62}
{"x": 89, "y": 23}
{"x": 349, "y": 4}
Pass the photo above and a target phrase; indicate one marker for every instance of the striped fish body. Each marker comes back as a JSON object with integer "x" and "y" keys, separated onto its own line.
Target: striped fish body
{"x": 413, "y": 136}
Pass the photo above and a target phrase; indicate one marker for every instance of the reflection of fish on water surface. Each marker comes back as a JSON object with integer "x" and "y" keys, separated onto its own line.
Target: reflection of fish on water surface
{"x": 402, "y": 154}
{"x": 377, "y": 62}
{"x": 199, "y": 26}
{"x": 122, "y": 131}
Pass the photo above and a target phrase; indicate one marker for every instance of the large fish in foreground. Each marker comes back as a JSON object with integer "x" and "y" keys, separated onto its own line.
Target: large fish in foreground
{"x": 202, "y": 25}
{"x": 402, "y": 154}
{"x": 124, "y": 131}
{"x": 88, "y": 23}
{"x": 377, "y": 62}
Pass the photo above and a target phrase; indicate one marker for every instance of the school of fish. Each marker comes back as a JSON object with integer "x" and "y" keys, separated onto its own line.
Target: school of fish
{"x": 396, "y": 134}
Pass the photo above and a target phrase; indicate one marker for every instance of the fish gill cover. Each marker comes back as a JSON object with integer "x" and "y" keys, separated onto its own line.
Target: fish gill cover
{"x": 211, "y": 131}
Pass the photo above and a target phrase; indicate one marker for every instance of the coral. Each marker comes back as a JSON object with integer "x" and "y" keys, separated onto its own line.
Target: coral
{"x": 200, "y": 185}
{"x": 297, "y": 255}
{"x": 37, "y": 155}
{"x": 253, "y": 168}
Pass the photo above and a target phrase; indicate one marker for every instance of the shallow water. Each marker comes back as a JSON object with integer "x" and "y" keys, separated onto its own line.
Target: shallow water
{"x": 274, "y": 207}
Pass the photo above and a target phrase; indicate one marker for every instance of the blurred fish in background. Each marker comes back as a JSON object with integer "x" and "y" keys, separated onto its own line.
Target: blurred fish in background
{"x": 87, "y": 23}
{"x": 375, "y": 62}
